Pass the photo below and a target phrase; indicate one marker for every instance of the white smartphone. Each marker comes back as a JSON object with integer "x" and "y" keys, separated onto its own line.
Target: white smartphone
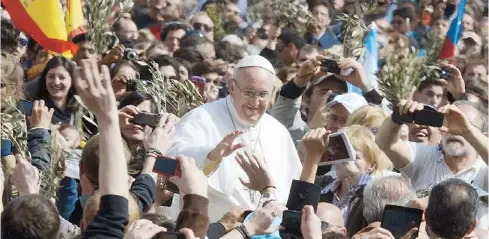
{"x": 339, "y": 150}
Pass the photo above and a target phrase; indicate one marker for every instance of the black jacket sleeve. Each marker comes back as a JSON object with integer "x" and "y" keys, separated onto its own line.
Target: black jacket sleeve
{"x": 144, "y": 188}
{"x": 291, "y": 91}
{"x": 39, "y": 143}
{"x": 215, "y": 231}
{"x": 110, "y": 220}
{"x": 302, "y": 194}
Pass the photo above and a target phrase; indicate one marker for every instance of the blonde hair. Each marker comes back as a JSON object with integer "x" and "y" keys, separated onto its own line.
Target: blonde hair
{"x": 364, "y": 141}
{"x": 369, "y": 116}
{"x": 93, "y": 206}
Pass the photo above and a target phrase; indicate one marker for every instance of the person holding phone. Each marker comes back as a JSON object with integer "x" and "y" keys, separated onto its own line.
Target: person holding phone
{"x": 462, "y": 154}
{"x": 352, "y": 176}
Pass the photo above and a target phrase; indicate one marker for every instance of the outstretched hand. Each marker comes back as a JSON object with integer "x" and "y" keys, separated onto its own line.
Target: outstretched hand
{"x": 256, "y": 170}
{"x": 41, "y": 115}
{"x": 226, "y": 147}
{"x": 94, "y": 88}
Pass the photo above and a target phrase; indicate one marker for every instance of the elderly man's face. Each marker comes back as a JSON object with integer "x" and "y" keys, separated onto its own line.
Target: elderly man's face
{"x": 456, "y": 145}
{"x": 476, "y": 72}
{"x": 251, "y": 91}
{"x": 331, "y": 218}
{"x": 204, "y": 24}
{"x": 128, "y": 30}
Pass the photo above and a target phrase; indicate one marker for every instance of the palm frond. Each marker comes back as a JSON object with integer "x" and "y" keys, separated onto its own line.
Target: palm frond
{"x": 14, "y": 127}
{"x": 51, "y": 177}
{"x": 400, "y": 74}
{"x": 354, "y": 29}
{"x": 171, "y": 96}
{"x": 100, "y": 15}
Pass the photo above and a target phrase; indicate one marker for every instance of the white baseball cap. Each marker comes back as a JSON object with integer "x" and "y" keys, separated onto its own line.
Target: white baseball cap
{"x": 255, "y": 61}
{"x": 351, "y": 101}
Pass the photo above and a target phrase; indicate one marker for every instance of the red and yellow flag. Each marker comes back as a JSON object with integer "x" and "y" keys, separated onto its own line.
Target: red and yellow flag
{"x": 43, "y": 21}
{"x": 75, "y": 23}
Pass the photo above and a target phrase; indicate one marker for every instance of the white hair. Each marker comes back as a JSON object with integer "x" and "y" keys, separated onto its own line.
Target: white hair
{"x": 393, "y": 190}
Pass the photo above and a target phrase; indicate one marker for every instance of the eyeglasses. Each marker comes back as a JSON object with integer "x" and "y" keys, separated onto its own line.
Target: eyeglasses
{"x": 22, "y": 42}
{"x": 202, "y": 26}
{"x": 249, "y": 94}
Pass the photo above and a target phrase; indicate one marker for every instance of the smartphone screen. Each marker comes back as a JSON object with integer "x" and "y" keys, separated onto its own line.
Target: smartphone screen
{"x": 429, "y": 117}
{"x": 292, "y": 223}
{"x": 166, "y": 166}
{"x": 399, "y": 220}
{"x": 338, "y": 150}
{"x": 148, "y": 119}
{"x": 25, "y": 107}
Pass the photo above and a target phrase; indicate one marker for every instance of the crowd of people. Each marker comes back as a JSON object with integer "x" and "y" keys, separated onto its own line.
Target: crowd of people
{"x": 249, "y": 161}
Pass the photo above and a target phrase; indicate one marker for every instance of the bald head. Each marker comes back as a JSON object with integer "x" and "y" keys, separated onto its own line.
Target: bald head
{"x": 331, "y": 214}
{"x": 473, "y": 112}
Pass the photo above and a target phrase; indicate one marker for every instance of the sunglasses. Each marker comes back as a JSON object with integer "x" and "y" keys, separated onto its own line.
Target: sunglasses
{"x": 23, "y": 42}
{"x": 202, "y": 26}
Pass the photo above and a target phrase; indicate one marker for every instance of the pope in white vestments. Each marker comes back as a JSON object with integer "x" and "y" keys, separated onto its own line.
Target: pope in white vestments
{"x": 202, "y": 129}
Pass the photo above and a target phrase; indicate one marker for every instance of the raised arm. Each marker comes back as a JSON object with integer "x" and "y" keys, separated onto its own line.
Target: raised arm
{"x": 388, "y": 140}
{"x": 458, "y": 123}
{"x": 94, "y": 88}
{"x": 38, "y": 137}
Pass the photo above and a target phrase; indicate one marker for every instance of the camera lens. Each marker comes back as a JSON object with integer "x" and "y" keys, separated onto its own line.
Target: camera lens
{"x": 131, "y": 54}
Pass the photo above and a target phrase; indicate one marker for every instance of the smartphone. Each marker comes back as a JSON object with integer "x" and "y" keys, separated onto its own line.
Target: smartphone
{"x": 429, "y": 116}
{"x": 25, "y": 107}
{"x": 172, "y": 187}
{"x": 331, "y": 66}
{"x": 148, "y": 119}
{"x": 339, "y": 150}
{"x": 401, "y": 119}
{"x": 172, "y": 235}
{"x": 399, "y": 220}
{"x": 291, "y": 221}
{"x": 167, "y": 166}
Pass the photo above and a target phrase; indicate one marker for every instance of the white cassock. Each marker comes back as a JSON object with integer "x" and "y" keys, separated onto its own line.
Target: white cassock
{"x": 200, "y": 130}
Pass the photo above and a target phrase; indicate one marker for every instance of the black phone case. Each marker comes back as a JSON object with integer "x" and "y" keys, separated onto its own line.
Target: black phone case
{"x": 292, "y": 223}
{"x": 331, "y": 66}
{"x": 401, "y": 119}
{"x": 173, "y": 235}
{"x": 143, "y": 119}
{"x": 428, "y": 117}
{"x": 402, "y": 209}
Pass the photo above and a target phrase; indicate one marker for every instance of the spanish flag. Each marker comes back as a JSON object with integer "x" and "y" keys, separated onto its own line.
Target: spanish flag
{"x": 43, "y": 21}
{"x": 75, "y": 23}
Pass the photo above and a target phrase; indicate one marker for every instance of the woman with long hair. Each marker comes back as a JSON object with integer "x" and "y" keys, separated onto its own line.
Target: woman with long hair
{"x": 57, "y": 90}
